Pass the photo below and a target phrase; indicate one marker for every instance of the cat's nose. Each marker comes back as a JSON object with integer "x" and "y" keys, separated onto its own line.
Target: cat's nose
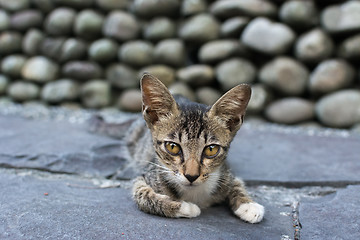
{"x": 191, "y": 178}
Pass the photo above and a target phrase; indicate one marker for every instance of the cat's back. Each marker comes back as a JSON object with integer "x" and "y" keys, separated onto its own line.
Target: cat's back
{"x": 139, "y": 143}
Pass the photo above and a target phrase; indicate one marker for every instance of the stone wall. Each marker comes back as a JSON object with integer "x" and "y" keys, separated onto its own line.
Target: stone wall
{"x": 301, "y": 57}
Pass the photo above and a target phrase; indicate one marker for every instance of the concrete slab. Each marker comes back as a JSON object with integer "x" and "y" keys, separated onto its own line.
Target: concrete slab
{"x": 82, "y": 211}
{"x": 332, "y": 217}
{"x": 295, "y": 159}
{"x": 26, "y": 212}
{"x": 58, "y": 147}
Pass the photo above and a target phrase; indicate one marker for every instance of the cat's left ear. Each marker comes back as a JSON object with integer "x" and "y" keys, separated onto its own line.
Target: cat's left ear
{"x": 231, "y": 107}
{"x": 156, "y": 99}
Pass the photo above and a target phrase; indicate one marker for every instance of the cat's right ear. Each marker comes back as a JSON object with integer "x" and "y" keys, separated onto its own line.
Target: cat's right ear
{"x": 157, "y": 101}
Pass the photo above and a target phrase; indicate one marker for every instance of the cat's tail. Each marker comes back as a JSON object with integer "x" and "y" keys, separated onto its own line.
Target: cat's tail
{"x": 97, "y": 124}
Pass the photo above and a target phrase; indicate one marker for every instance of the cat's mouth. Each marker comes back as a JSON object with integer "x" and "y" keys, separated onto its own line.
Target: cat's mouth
{"x": 191, "y": 185}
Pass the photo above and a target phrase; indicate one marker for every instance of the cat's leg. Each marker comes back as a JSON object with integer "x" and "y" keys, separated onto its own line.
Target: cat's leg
{"x": 242, "y": 205}
{"x": 159, "y": 204}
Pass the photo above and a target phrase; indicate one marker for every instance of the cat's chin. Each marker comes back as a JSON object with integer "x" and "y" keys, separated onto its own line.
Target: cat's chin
{"x": 191, "y": 185}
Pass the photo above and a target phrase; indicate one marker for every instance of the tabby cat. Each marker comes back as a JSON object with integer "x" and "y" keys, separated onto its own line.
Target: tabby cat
{"x": 183, "y": 153}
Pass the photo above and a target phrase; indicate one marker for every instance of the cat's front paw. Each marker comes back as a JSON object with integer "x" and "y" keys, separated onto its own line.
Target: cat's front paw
{"x": 250, "y": 212}
{"x": 188, "y": 210}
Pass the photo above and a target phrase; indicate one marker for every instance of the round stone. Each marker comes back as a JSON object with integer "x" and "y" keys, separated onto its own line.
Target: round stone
{"x": 255, "y": 120}
{"x": 164, "y": 73}
{"x": 10, "y": 42}
{"x": 299, "y": 14}
{"x": 12, "y": 65}
{"x": 44, "y": 5}
{"x": 60, "y": 21}
{"x": 155, "y": 8}
{"x": 314, "y": 46}
{"x": 160, "y": 28}
{"x": 103, "y": 50}
{"x": 5, "y": 100}
{"x": 136, "y": 53}
{"x": 109, "y": 5}
{"x": 285, "y": 75}
{"x": 4, "y": 81}
{"x": 130, "y": 100}
{"x": 59, "y": 91}
{"x": 356, "y": 129}
{"x": 350, "y": 48}
{"x": 51, "y": 47}
{"x": 4, "y": 20}
{"x": 232, "y": 27}
{"x": 196, "y": 75}
{"x": 121, "y": 25}
{"x": 253, "y": 8}
{"x": 73, "y": 49}
{"x": 235, "y": 71}
{"x": 36, "y": 104}
{"x": 171, "y": 52}
{"x": 207, "y": 95}
{"x": 32, "y": 42}
{"x": 260, "y": 97}
{"x": 268, "y": 37}
{"x": 88, "y": 24}
{"x": 192, "y": 7}
{"x": 80, "y": 4}
{"x": 40, "y": 69}
{"x": 290, "y": 111}
{"x": 331, "y": 75}
{"x": 23, "y": 91}
{"x": 122, "y": 76}
{"x": 341, "y": 18}
{"x": 219, "y": 50}
{"x": 26, "y": 19}
{"x": 96, "y": 93}
{"x": 340, "y": 109}
{"x": 182, "y": 89}
{"x": 82, "y": 70}
{"x": 200, "y": 28}
{"x": 14, "y": 5}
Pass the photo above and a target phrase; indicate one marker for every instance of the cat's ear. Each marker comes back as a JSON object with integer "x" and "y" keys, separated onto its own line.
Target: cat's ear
{"x": 231, "y": 107}
{"x": 157, "y": 101}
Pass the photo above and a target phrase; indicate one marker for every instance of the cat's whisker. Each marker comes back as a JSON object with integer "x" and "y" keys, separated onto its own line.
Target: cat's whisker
{"x": 164, "y": 171}
{"x": 160, "y": 171}
{"x": 159, "y": 166}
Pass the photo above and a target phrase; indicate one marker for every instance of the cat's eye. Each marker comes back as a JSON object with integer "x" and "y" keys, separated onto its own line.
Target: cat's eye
{"x": 172, "y": 148}
{"x": 211, "y": 151}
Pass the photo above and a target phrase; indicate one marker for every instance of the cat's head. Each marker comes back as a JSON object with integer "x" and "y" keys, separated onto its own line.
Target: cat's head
{"x": 191, "y": 139}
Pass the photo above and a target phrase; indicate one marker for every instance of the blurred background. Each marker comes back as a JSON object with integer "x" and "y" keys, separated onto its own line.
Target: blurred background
{"x": 301, "y": 57}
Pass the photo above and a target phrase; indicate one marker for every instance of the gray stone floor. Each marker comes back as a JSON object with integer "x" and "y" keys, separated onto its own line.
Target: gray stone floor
{"x": 57, "y": 181}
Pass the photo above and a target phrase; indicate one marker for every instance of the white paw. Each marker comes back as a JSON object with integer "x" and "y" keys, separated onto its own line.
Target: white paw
{"x": 250, "y": 212}
{"x": 188, "y": 210}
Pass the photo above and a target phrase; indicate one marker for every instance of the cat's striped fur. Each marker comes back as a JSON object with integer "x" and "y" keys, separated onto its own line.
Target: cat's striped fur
{"x": 179, "y": 185}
